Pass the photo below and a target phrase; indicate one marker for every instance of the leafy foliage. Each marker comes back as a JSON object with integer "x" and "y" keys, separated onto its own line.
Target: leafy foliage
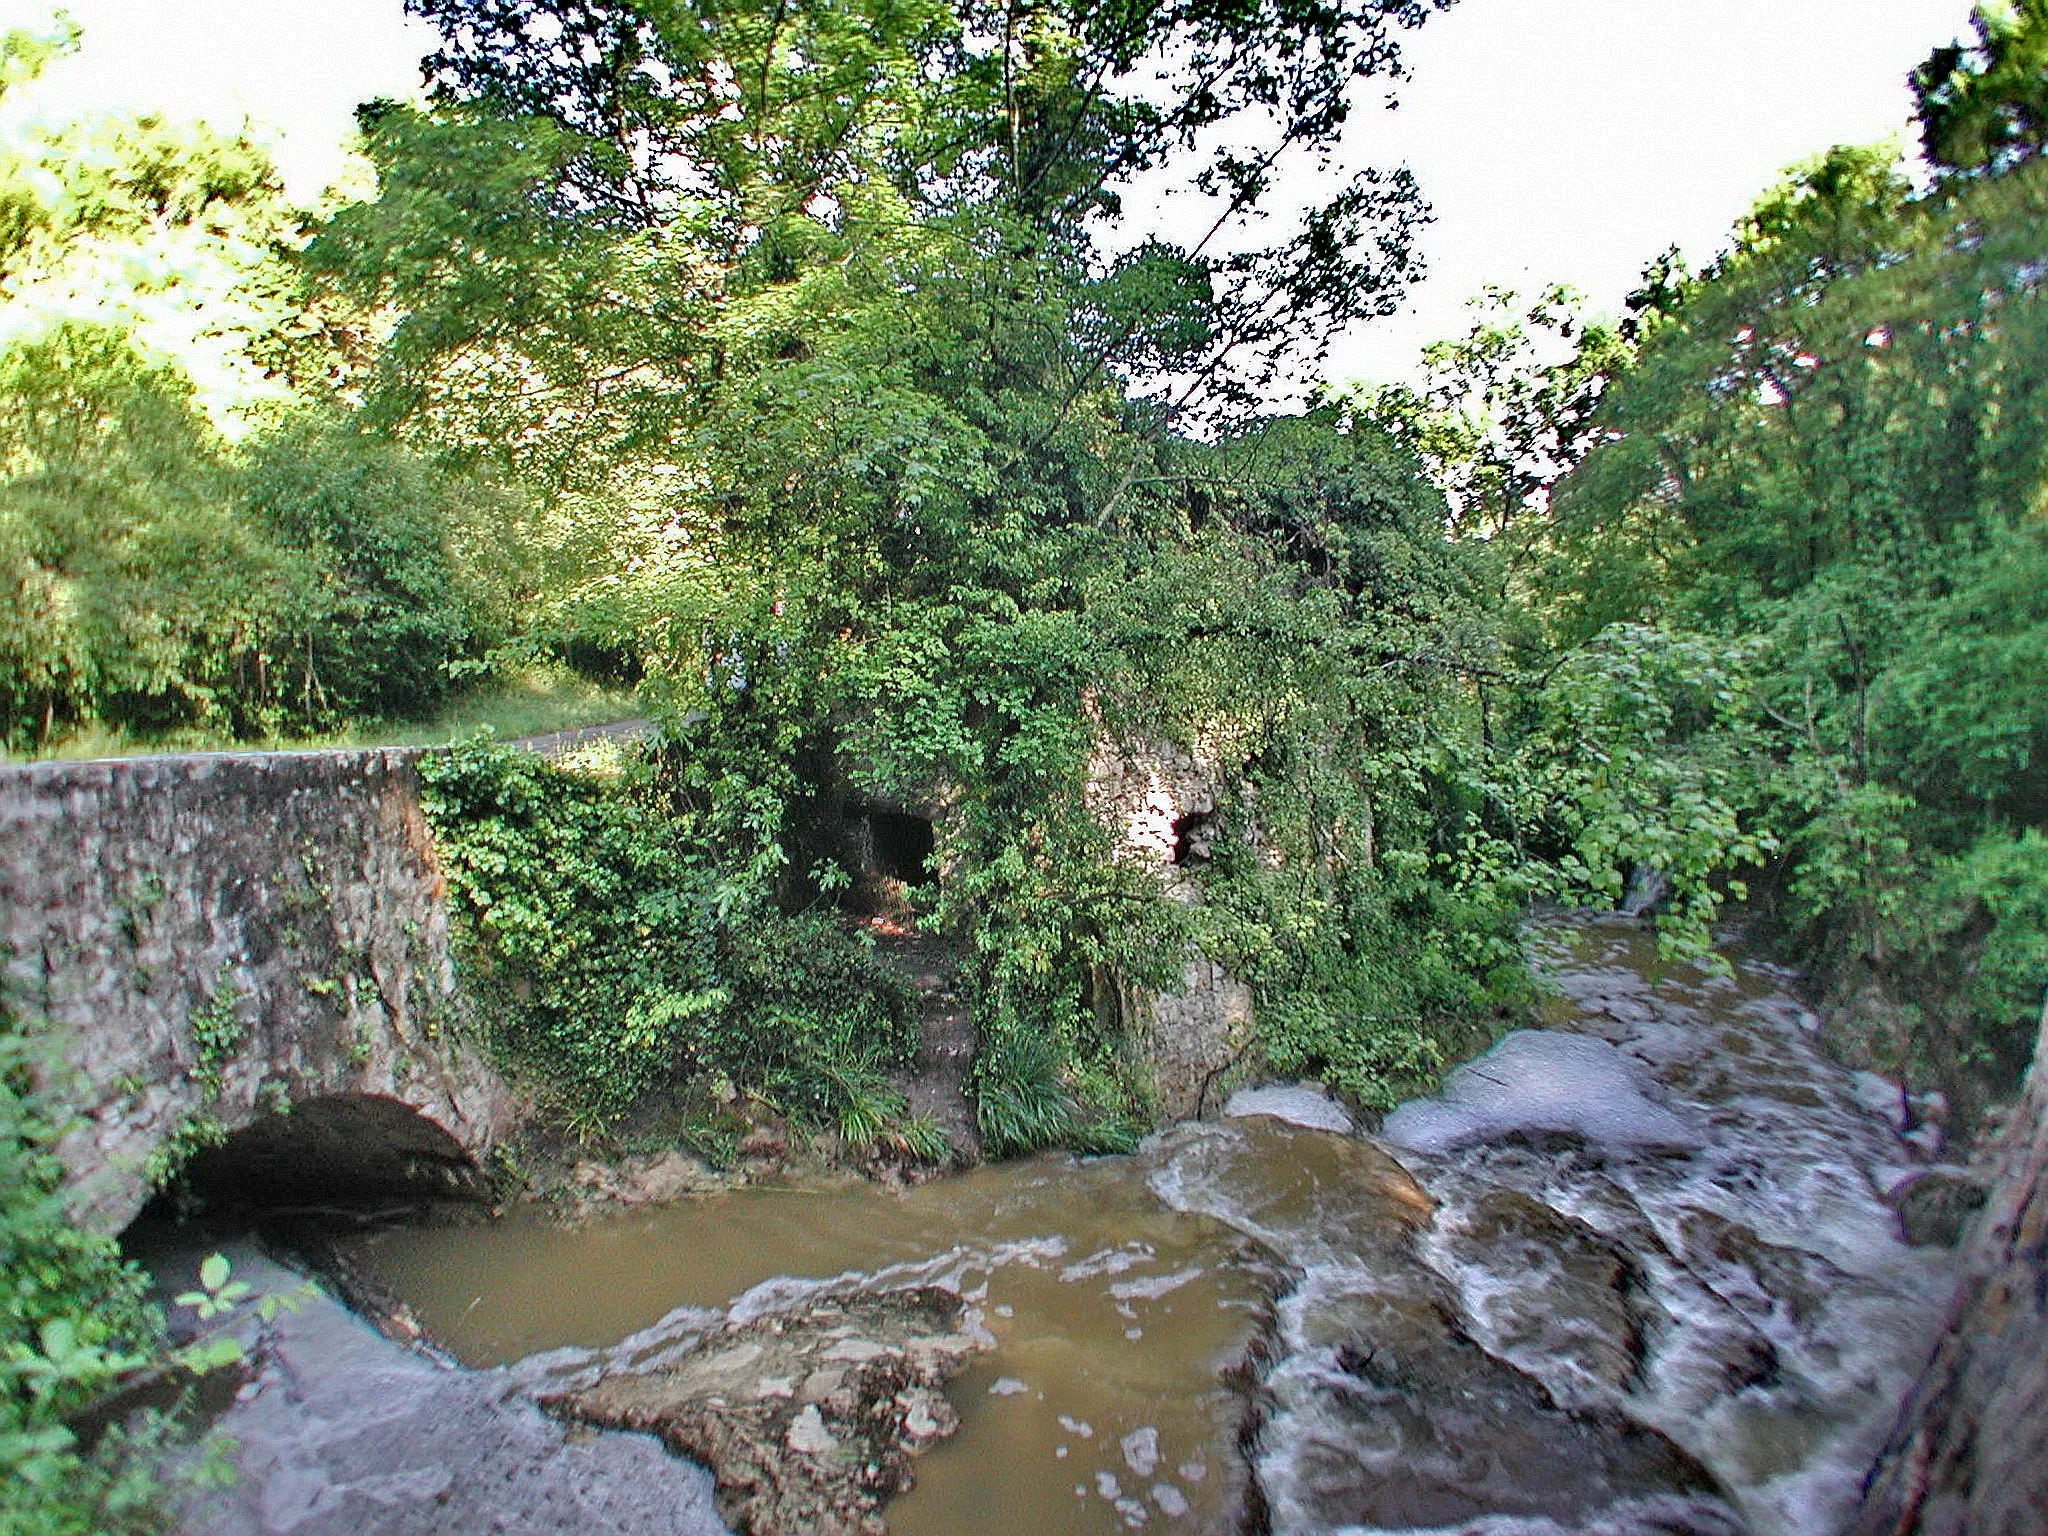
{"x": 1829, "y": 458}
{"x": 623, "y": 944}
{"x": 154, "y": 580}
{"x": 132, "y": 591}
{"x": 792, "y": 362}
{"x": 72, "y": 1319}
{"x": 1984, "y": 105}
{"x": 379, "y": 613}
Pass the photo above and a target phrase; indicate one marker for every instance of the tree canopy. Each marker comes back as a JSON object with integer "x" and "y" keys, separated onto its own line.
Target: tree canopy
{"x": 797, "y": 363}
{"x": 1982, "y": 105}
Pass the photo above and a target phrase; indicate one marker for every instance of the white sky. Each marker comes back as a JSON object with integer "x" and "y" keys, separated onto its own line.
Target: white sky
{"x": 1559, "y": 140}
{"x": 1573, "y": 140}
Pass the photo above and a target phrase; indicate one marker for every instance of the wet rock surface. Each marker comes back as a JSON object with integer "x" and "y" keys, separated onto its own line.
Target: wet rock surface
{"x": 1969, "y": 1451}
{"x": 807, "y": 1415}
{"x": 1631, "y": 1273}
{"x": 805, "y": 1401}
{"x": 1936, "y": 1205}
{"x": 646, "y": 1179}
{"x": 1386, "y": 1411}
{"x": 1304, "y": 1104}
{"x": 339, "y": 1432}
{"x": 1127, "y": 1337}
{"x": 1560, "y": 1291}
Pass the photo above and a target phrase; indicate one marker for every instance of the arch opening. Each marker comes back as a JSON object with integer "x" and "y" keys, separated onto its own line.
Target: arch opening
{"x": 341, "y": 1153}
{"x": 902, "y": 845}
{"x": 885, "y": 853}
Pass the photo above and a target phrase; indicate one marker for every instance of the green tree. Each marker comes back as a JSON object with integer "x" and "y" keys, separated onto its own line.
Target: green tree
{"x": 134, "y": 592}
{"x": 1507, "y": 409}
{"x": 1982, "y": 105}
{"x": 1830, "y": 455}
{"x": 378, "y": 612}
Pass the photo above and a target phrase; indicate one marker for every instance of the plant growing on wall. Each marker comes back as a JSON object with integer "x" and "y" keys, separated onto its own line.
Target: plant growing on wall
{"x": 624, "y": 941}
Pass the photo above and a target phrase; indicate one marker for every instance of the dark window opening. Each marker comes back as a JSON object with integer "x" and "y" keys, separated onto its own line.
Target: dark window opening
{"x": 884, "y": 852}
{"x": 1194, "y": 837}
{"x": 902, "y": 846}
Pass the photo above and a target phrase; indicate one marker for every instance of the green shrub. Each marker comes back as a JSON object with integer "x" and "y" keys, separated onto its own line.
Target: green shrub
{"x": 132, "y": 592}
{"x": 380, "y": 615}
{"x": 72, "y": 1319}
{"x": 590, "y": 928}
{"x": 620, "y": 947}
{"x": 1019, "y": 1105}
{"x": 814, "y": 1018}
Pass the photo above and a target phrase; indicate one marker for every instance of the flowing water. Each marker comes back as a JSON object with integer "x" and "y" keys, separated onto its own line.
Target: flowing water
{"x": 1114, "y": 1317}
{"x": 1659, "y": 1290}
{"x": 1631, "y": 1272}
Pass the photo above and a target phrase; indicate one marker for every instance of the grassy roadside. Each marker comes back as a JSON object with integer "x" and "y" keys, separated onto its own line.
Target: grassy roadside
{"x": 530, "y": 703}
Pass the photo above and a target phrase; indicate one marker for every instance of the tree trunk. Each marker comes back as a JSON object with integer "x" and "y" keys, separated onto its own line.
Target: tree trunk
{"x": 1969, "y": 1455}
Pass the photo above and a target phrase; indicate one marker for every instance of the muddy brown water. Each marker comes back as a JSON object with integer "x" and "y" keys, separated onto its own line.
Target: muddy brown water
{"x": 1115, "y": 1320}
{"x": 1633, "y": 1271}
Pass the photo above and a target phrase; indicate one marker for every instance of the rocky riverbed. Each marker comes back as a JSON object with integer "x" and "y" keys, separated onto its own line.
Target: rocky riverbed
{"x": 1645, "y": 1276}
{"x": 1639, "y": 1270}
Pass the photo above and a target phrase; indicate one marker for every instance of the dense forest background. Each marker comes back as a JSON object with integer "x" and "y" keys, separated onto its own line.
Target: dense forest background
{"x": 791, "y": 367}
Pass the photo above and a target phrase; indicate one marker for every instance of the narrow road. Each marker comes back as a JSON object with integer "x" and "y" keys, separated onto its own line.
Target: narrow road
{"x": 555, "y": 743}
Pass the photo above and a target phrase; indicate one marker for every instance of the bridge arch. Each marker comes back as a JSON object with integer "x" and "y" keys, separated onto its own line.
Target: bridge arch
{"x": 337, "y": 1150}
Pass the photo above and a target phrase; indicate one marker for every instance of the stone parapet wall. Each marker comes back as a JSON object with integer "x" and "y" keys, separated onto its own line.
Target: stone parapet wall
{"x": 1145, "y": 792}
{"x": 1194, "y": 1037}
{"x": 1969, "y": 1454}
{"x": 211, "y": 938}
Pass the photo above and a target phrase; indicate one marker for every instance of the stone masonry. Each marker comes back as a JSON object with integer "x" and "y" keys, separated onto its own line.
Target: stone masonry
{"x": 210, "y": 939}
{"x": 1162, "y": 804}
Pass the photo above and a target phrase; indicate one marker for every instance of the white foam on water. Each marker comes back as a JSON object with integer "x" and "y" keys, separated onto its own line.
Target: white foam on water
{"x": 1153, "y": 1287}
{"x": 1633, "y": 1517}
{"x": 1761, "y": 1287}
{"x": 1141, "y": 1450}
{"x": 1783, "y": 1317}
{"x": 1541, "y": 1080}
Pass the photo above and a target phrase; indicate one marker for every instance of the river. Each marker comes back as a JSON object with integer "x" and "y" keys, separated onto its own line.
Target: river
{"x": 1630, "y": 1272}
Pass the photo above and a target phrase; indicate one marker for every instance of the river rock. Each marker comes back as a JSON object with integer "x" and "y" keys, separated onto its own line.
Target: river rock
{"x": 1563, "y": 1295}
{"x": 764, "y": 1142}
{"x": 1382, "y": 1408}
{"x": 1935, "y": 1204}
{"x": 808, "y": 1413}
{"x": 1387, "y": 1415}
{"x": 1881, "y": 1096}
{"x": 1303, "y": 1104}
{"x": 340, "y": 1432}
{"x": 1540, "y": 1081}
{"x": 1646, "y": 1284}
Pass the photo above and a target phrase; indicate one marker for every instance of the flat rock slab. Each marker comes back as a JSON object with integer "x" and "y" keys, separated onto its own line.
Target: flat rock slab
{"x": 808, "y": 1415}
{"x": 342, "y": 1433}
{"x": 1539, "y": 1080}
{"x": 1304, "y": 1104}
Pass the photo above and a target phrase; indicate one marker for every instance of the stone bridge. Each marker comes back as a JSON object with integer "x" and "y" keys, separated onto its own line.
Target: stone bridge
{"x": 238, "y": 944}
